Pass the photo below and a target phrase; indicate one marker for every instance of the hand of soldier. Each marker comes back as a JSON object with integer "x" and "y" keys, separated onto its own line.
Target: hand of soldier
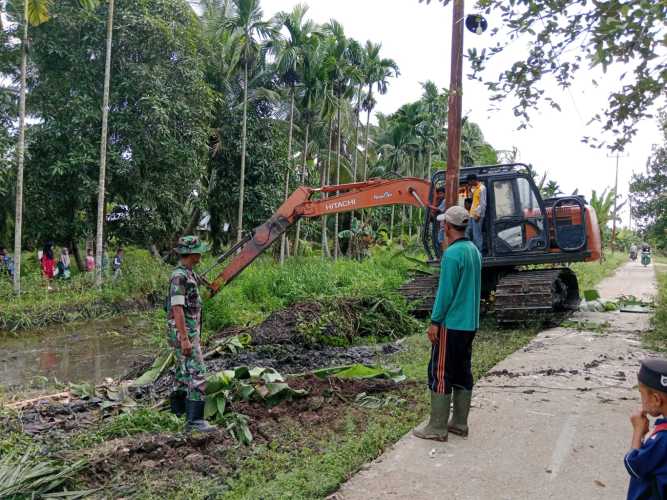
{"x": 433, "y": 331}
{"x": 186, "y": 346}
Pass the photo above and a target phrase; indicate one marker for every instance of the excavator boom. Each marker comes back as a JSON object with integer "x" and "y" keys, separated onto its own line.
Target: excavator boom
{"x": 354, "y": 196}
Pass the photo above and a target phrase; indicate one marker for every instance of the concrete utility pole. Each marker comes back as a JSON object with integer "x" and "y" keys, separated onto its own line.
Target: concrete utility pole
{"x": 613, "y": 223}
{"x": 454, "y": 113}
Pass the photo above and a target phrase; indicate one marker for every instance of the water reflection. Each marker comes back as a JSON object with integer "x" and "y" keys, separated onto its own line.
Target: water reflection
{"x": 85, "y": 351}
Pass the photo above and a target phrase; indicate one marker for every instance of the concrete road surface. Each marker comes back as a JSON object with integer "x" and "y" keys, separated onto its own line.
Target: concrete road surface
{"x": 550, "y": 421}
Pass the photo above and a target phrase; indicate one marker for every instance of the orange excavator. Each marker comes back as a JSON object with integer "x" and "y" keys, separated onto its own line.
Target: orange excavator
{"x": 520, "y": 231}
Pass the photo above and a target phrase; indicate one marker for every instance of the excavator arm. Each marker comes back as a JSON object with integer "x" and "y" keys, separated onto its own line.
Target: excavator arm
{"x": 355, "y": 196}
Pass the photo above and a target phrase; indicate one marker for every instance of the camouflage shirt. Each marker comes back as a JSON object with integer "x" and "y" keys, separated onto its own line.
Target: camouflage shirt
{"x": 183, "y": 291}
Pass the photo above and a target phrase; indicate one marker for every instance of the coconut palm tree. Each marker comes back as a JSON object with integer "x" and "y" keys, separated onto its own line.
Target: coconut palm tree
{"x": 289, "y": 54}
{"x": 247, "y": 20}
{"x": 376, "y": 73}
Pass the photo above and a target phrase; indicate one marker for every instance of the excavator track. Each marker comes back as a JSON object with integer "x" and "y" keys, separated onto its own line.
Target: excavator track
{"x": 420, "y": 293}
{"x": 546, "y": 295}
{"x": 539, "y": 294}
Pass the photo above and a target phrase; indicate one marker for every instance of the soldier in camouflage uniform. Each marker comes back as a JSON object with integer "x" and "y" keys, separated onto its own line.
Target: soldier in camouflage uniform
{"x": 184, "y": 328}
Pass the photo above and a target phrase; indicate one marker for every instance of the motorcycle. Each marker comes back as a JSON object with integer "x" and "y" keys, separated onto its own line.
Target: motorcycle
{"x": 646, "y": 258}
{"x": 633, "y": 256}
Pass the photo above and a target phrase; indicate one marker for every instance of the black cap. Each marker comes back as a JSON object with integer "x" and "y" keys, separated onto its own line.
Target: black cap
{"x": 653, "y": 374}
{"x": 471, "y": 177}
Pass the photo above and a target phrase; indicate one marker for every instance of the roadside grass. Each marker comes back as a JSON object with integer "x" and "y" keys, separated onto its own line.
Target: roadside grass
{"x": 657, "y": 339}
{"x": 591, "y": 273}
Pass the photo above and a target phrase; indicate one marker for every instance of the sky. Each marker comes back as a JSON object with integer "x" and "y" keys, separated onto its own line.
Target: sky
{"x": 418, "y": 37}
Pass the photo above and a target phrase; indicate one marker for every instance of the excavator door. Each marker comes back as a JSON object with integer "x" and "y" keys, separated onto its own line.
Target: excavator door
{"x": 518, "y": 217}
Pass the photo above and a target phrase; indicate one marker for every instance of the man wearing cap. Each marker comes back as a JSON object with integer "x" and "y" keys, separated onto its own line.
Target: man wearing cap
{"x": 477, "y": 210}
{"x": 184, "y": 328}
{"x": 646, "y": 462}
{"x": 454, "y": 321}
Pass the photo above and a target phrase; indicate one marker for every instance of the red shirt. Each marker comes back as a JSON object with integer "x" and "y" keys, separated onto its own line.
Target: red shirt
{"x": 48, "y": 267}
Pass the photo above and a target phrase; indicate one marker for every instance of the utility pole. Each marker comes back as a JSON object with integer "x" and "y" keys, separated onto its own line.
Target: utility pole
{"x": 615, "y": 214}
{"x": 454, "y": 113}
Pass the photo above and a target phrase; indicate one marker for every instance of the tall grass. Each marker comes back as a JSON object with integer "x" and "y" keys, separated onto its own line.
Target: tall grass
{"x": 78, "y": 298}
{"x": 657, "y": 338}
{"x": 265, "y": 287}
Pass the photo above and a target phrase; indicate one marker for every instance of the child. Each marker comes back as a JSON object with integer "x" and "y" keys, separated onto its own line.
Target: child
{"x": 117, "y": 263}
{"x": 646, "y": 462}
{"x": 90, "y": 261}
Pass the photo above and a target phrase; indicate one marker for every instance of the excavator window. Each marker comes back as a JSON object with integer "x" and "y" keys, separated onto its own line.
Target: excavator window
{"x": 518, "y": 225}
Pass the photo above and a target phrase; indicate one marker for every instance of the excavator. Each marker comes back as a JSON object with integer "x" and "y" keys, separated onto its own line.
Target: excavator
{"x": 528, "y": 241}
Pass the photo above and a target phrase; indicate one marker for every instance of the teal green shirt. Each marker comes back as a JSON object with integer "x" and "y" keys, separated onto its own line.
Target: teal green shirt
{"x": 457, "y": 301}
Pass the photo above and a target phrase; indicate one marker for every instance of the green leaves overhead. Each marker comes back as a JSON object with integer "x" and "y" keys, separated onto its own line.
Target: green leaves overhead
{"x": 565, "y": 38}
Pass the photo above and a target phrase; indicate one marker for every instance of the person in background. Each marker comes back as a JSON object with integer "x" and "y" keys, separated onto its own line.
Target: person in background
{"x": 90, "y": 261}
{"x": 477, "y": 211}
{"x": 64, "y": 264}
{"x": 48, "y": 263}
{"x": 117, "y": 263}
{"x": 440, "y": 193}
{"x": 6, "y": 262}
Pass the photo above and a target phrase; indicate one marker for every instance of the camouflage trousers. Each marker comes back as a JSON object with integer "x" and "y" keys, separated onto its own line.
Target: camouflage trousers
{"x": 190, "y": 371}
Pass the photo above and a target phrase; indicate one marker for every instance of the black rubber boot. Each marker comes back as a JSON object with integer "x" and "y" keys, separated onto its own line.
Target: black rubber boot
{"x": 436, "y": 429}
{"x": 177, "y": 403}
{"x": 459, "y": 423}
{"x": 195, "y": 415}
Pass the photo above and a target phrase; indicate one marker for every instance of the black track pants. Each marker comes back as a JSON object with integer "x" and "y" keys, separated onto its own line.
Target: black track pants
{"x": 451, "y": 361}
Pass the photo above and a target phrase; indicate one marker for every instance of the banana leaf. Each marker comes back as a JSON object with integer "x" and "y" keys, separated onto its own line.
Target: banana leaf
{"x": 359, "y": 371}
{"x": 161, "y": 363}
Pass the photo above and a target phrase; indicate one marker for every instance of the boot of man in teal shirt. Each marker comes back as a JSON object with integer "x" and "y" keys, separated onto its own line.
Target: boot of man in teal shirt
{"x": 454, "y": 321}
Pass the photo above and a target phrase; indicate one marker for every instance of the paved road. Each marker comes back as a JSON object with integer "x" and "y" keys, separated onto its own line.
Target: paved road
{"x": 549, "y": 422}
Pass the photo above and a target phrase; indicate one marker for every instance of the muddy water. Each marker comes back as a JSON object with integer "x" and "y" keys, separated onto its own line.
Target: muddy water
{"x": 85, "y": 351}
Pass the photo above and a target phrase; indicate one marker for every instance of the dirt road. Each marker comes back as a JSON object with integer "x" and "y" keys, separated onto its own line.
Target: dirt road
{"x": 550, "y": 421}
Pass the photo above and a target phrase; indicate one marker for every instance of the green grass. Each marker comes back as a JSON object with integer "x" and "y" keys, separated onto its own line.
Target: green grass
{"x": 591, "y": 273}
{"x": 265, "y": 287}
{"x": 77, "y": 298}
{"x": 657, "y": 338}
{"x": 143, "y": 420}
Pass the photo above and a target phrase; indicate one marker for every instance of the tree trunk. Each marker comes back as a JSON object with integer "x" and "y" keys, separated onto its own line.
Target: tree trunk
{"x": 356, "y": 146}
{"x": 338, "y": 148}
{"x": 80, "y": 264}
{"x": 154, "y": 251}
{"x": 283, "y": 239}
{"x": 368, "y": 121}
{"x": 103, "y": 151}
{"x": 194, "y": 221}
{"x": 239, "y": 234}
{"x": 324, "y": 182}
{"x": 20, "y": 154}
{"x": 391, "y": 223}
{"x": 411, "y": 172}
{"x": 302, "y": 180}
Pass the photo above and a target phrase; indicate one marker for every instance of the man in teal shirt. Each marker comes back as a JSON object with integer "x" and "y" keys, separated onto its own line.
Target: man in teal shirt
{"x": 454, "y": 321}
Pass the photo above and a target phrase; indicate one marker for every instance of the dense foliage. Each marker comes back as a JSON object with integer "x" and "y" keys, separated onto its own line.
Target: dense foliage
{"x": 649, "y": 194}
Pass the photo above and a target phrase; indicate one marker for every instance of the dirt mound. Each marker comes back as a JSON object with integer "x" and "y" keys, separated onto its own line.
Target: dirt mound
{"x": 170, "y": 455}
{"x": 281, "y": 327}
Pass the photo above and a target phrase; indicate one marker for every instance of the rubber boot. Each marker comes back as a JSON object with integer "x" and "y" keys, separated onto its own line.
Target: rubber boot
{"x": 195, "y": 415}
{"x": 459, "y": 423}
{"x": 177, "y": 403}
{"x": 436, "y": 429}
